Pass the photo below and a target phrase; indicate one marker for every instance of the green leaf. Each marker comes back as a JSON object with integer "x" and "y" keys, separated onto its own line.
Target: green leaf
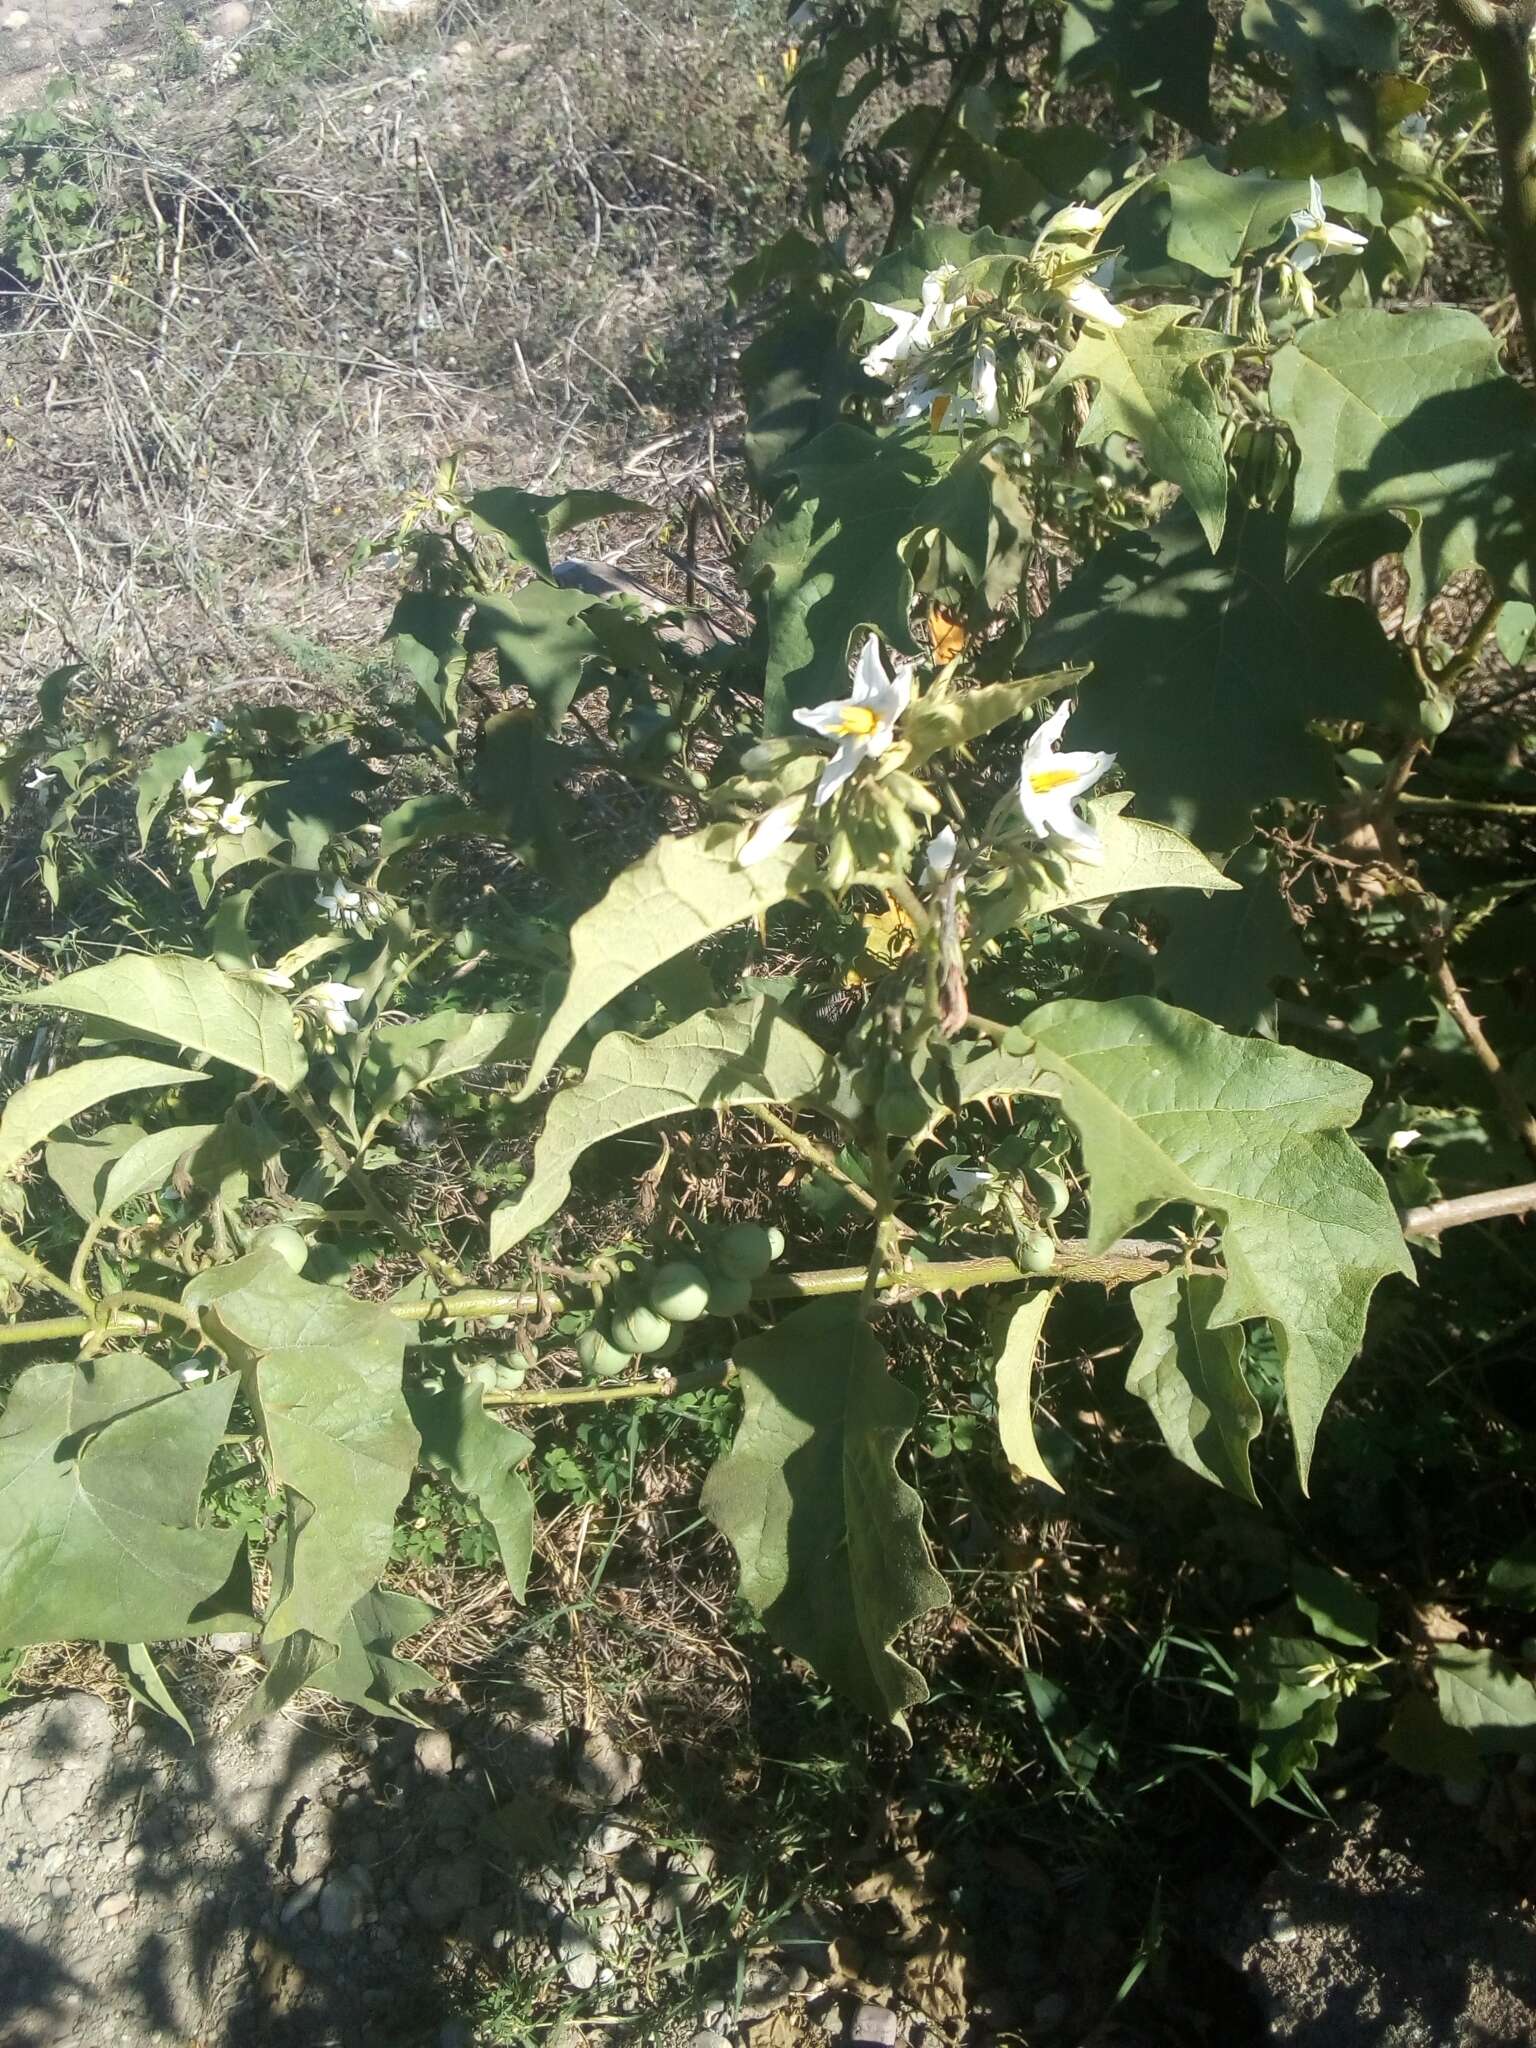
{"x": 1483, "y": 1693}
{"x": 1216, "y": 218}
{"x": 1170, "y": 1109}
{"x": 828, "y": 1536}
{"x": 747, "y": 1053}
{"x": 525, "y": 522}
{"x": 141, "y": 1675}
{"x": 1014, "y": 1374}
{"x": 360, "y": 1669}
{"x": 1420, "y": 1740}
{"x": 1208, "y": 672}
{"x": 831, "y": 560}
{"x": 1191, "y": 1377}
{"x": 480, "y": 1456}
{"x": 674, "y": 897}
{"x": 1512, "y": 1578}
{"x": 78, "y": 1167}
{"x": 1224, "y": 956}
{"x": 1137, "y": 855}
{"x": 39, "y": 1107}
{"x": 191, "y": 1003}
{"x": 326, "y": 1371}
{"x": 1315, "y": 37}
{"x": 405, "y": 1057}
{"x": 541, "y": 642}
{"x": 1411, "y": 413}
{"x": 421, "y": 819}
{"x": 149, "y": 1163}
{"x": 1158, "y": 52}
{"x": 102, "y": 1467}
{"x": 1285, "y": 1692}
{"x": 1335, "y": 1606}
{"x": 428, "y": 636}
{"x": 1152, "y": 389}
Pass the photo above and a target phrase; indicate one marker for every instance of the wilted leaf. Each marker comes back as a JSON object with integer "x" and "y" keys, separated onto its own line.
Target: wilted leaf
{"x": 1014, "y": 1374}
{"x": 748, "y": 1053}
{"x": 191, "y": 1003}
{"x": 1191, "y": 1376}
{"x": 682, "y": 892}
{"x": 102, "y": 1467}
{"x": 828, "y": 1536}
{"x": 1170, "y": 1109}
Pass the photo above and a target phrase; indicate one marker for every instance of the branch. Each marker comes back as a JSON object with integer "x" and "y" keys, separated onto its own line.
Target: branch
{"x": 1499, "y": 39}
{"x": 1437, "y": 1216}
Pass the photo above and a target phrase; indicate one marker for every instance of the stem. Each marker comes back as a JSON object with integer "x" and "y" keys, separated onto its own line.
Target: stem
{"x": 41, "y": 1276}
{"x": 440, "y": 1268}
{"x": 629, "y": 1390}
{"x": 1465, "y": 806}
{"x": 1437, "y": 1216}
{"x": 965, "y": 73}
{"x": 1499, "y": 38}
{"x": 48, "y": 1328}
{"x": 815, "y": 1154}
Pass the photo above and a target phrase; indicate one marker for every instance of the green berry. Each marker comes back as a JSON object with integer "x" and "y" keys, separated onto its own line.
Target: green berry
{"x": 639, "y": 1329}
{"x": 1049, "y": 1190}
{"x": 599, "y": 1360}
{"x": 729, "y": 1294}
{"x": 745, "y": 1251}
{"x": 1435, "y": 714}
{"x": 1037, "y": 1251}
{"x": 902, "y": 1111}
{"x": 283, "y": 1239}
{"x": 680, "y": 1291}
{"x": 776, "y": 1240}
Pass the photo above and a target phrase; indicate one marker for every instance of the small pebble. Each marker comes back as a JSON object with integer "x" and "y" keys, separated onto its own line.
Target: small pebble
{"x": 113, "y": 1906}
{"x": 17, "y": 18}
{"x": 876, "y": 2026}
{"x": 434, "y": 1752}
{"x": 1282, "y": 1927}
{"x": 301, "y": 1901}
{"x": 232, "y": 19}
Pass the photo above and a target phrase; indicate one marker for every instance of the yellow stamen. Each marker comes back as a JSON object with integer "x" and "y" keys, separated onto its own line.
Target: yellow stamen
{"x": 1047, "y": 779}
{"x": 856, "y": 722}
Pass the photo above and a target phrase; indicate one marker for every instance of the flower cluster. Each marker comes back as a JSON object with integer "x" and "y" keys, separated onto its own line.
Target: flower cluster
{"x": 326, "y": 1005}
{"x": 906, "y": 352}
{"x": 206, "y": 819}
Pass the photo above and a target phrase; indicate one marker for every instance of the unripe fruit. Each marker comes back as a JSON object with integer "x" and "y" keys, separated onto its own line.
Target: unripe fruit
{"x": 745, "y": 1251}
{"x": 680, "y": 1291}
{"x": 776, "y": 1241}
{"x": 1435, "y": 714}
{"x": 639, "y": 1329}
{"x": 902, "y": 1111}
{"x": 1049, "y": 1190}
{"x": 729, "y": 1294}
{"x": 283, "y": 1239}
{"x": 599, "y": 1360}
{"x": 1037, "y": 1251}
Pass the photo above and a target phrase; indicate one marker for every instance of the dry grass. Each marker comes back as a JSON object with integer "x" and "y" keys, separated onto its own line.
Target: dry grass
{"x": 309, "y": 280}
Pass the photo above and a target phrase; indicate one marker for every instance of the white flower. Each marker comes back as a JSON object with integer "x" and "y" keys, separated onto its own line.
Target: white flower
{"x": 332, "y": 998}
{"x": 1074, "y": 220}
{"x": 771, "y": 832}
{"x": 233, "y": 818}
{"x": 1400, "y": 1141}
{"x": 983, "y": 398}
{"x": 939, "y": 856}
{"x": 340, "y": 903}
{"x": 1091, "y": 302}
{"x": 922, "y": 400}
{"x": 896, "y": 346}
{"x": 188, "y": 1375}
{"x": 1317, "y": 234}
{"x": 939, "y": 313}
{"x": 217, "y": 728}
{"x": 1050, "y": 782}
{"x": 965, "y": 1181}
{"x": 1298, "y": 285}
{"x": 192, "y": 787}
{"x": 863, "y": 724}
{"x": 39, "y": 778}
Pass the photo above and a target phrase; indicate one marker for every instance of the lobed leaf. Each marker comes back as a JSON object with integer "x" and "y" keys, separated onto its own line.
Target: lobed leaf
{"x": 828, "y": 1536}
{"x": 1170, "y": 1109}
{"x": 1190, "y": 1374}
{"x": 38, "y": 1108}
{"x": 480, "y": 1456}
{"x": 747, "y": 1053}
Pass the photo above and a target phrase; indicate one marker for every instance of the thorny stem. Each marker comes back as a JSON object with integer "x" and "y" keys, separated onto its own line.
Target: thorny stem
{"x": 965, "y": 74}
{"x": 1128, "y": 1260}
{"x": 815, "y": 1154}
{"x": 1466, "y": 806}
{"x": 1499, "y": 38}
{"x": 441, "y": 1269}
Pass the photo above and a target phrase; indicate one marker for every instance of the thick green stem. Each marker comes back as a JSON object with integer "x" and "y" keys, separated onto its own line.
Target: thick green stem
{"x": 1465, "y": 806}
{"x": 1499, "y": 37}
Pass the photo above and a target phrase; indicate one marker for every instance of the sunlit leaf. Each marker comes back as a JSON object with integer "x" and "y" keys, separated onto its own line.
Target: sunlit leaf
{"x": 1014, "y": 1374}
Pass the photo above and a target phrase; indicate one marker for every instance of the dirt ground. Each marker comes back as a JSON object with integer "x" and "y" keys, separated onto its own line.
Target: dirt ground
{"x": 47, "y": 36}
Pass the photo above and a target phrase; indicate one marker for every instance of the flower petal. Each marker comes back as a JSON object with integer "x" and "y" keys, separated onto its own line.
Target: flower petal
{"x": 826, "y": 719}
{"x": 842, "y": 764}
{"x": 771, "y": 832}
